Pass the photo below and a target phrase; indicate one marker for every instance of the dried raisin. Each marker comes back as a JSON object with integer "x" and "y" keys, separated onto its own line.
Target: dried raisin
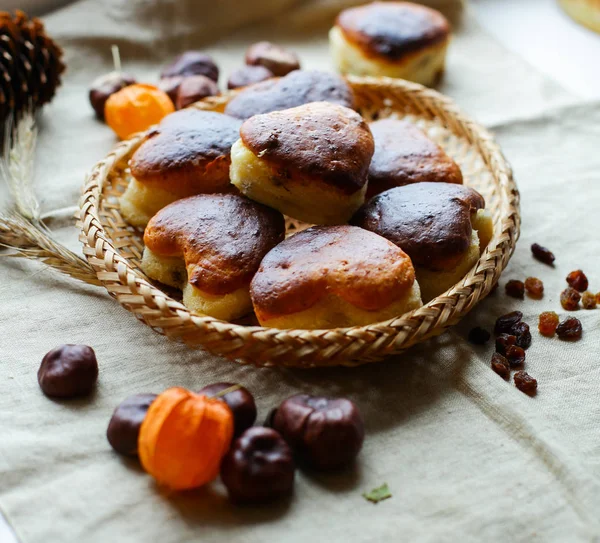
{"x": 542, "y": 254}
{"x": 521, "y": 330}
{"x": 534, "y": 287}
{"x": 500, "y": 365}
{"x": 515, "y": 288}
{"x": 515, "y": 356}
{"x": 588, "y": 300}
{"x": 504, "y": 342}
{"x": 525, "y": 383}
{"x": 578, "y": 280}
{"x": 570, "y": 328}
{"x": 505, "y": 323}
{"x": 569, "y": 299}
{"x": 479, "y": 336}
{"x": 548, "y": 323}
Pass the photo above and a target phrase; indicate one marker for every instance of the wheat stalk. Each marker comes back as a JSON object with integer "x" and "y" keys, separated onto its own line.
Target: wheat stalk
{"x": 17, "y": 166}
{"x": 22, "y": 229}
{"x": 29, "y": 241}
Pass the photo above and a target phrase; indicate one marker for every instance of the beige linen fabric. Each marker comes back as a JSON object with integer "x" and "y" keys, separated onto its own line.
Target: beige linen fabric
{"x": 466, "y": 455}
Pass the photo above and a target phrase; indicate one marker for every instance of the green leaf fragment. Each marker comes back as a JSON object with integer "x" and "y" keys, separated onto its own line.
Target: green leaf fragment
{"x": 378, "y": 494}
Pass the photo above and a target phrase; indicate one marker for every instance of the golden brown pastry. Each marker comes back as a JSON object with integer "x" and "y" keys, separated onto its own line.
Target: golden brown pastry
{"x": 442, "y": 227}
{"x": 309, "y": 162}
{"x": 585, "y": 12}
{"x": 333, "y": 276}
{"x": 394, "y": 39}
{"x": 295, "y": 89}
{"x": 405, "y": 155}
{"x": 210, "y": 246}
{"x": 188, "y": 153}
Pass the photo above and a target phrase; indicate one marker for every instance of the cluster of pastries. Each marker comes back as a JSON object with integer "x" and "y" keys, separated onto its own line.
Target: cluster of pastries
{"x": 393, "y": 224}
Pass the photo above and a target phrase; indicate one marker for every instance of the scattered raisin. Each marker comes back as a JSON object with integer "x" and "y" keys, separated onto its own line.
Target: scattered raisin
{"x": 588, "y": 300}
{"x": 569, "y": 299}
{"x": 570, "y": 328}
{"x": 515, "y": 288}
{"x": 534, "y": 287}
{"x": 548, "y": 323}
{"x": 521, "y": 330}
{"x": 505, "y": 323}
{"x": 525, "y": 383}
{"x": 515, "y": 356}
{"x": 503, "y": 342}
{"x": 479, "y": 336}
{"x": 542, "y": 254}
{"x": 578, "y": 280}
{"x": 500, "y": 365}
{"x": 598, "y": 298}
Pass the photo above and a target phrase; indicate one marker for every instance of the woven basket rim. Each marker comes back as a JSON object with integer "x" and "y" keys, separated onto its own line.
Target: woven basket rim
{"x": 173, "y": 319}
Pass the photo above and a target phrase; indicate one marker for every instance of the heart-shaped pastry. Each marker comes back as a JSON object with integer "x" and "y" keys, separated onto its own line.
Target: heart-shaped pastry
{"x": 333, "y": 276}
{"x": 295, "y": 89}
{"x": 442, "y": 227}
{"x": 393, "y": 39}
{"x": 405, "y": 155}
{"x": 210, "y": 246}
{"x": 309, "y": 162}
{"x": 187, "y": 153}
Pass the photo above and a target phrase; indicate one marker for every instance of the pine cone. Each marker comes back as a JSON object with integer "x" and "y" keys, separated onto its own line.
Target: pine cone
{"x": 30, "y": 64}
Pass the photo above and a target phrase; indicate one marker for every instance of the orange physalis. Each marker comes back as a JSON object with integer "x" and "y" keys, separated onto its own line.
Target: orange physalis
{"x": 135, "y": 108}
{"x": 183, "y": 438}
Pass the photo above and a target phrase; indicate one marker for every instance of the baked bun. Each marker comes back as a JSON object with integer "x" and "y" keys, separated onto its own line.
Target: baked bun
{"x": 187, "y": 154}
{"x": 405, "y": 155}
{"x": 309, "y": 162}
{"x": 295, "y": 89}
{"x": 585, "y": 12}
{"x": 210, "y": 246}
{"x": 441, "y": 226}
{"x": 333, "y": 276}
{"x": 394, "y": 39}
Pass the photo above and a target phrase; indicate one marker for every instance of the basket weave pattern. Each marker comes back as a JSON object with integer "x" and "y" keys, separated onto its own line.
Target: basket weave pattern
{"x": 114, "y": 249}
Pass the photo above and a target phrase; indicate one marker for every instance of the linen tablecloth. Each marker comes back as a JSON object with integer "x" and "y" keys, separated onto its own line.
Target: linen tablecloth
{"x": 466, "y": 455}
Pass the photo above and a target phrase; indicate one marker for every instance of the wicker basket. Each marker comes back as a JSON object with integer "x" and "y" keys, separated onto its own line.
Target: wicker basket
{"x": 113, "y": 248}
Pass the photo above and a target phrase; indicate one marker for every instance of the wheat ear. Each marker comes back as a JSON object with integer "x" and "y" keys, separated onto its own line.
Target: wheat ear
{"x": 29, "y": 241}
{"x": 22, "y": 229}
{"x": 16, "y": 167}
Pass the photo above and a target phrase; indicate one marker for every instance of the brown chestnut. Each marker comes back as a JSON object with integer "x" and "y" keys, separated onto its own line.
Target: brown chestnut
{"x": 327, "y": 433}
{"x": 68, "y": 371}
{"x": 259, "y": 467}
{"x": 194, "y": 88}
{"x": 105, "y": 86}
{"x": 240, "y": 401}
{"x": 274, "y": 57}
{"x": 170, "y": 85}
{"x": 124, "y": 426}
{"x": 248, "y": 75}
{"x": 270, "y": 418}
{"x": 192, "y": 63}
